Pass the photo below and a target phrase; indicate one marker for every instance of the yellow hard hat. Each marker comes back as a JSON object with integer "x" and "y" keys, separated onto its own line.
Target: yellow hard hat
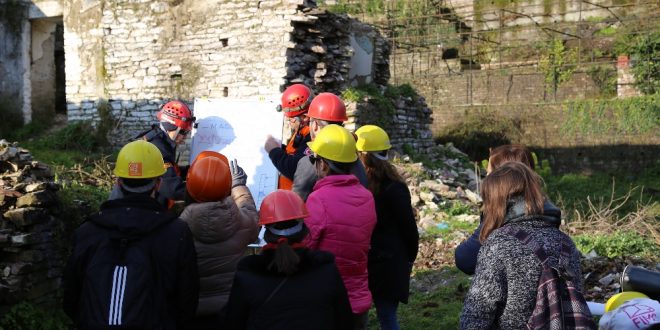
{"x": 372, "y": 138}
{"x": 334, "y": 143}
{"x": 620, "y": 298}
{"x": 139, "y": 160}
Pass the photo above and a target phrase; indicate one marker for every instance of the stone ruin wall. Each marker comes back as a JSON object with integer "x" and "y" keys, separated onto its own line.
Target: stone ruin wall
{"x": 124, "y": 60}
{"x": 31, "y": 258}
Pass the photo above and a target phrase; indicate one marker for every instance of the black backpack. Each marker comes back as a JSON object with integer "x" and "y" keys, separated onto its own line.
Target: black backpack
{"x": 119, "y": 286}
{"x": 559, "y": 305}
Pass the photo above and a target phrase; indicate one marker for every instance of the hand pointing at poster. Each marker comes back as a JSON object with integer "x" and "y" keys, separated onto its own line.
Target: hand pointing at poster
{"x": 271, "y": 143}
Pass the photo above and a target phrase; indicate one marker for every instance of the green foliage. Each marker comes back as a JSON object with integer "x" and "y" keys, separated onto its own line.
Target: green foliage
{"x": 557, "y": 65}
{"x": 607, "y": 32}
{"x": 635, "y": 115}
{"x": 65, "y": 145}
{"x": 572, "y": 189}
{"x": 480, "y": 131}
{"x": 26, "y": 316}
{"x": 618, "y": 244}
{"x": 644, "y": 51}
{"x": 604, "y": 76}
{"x": 440, "y": 308}
{"x": 404, "y": 90}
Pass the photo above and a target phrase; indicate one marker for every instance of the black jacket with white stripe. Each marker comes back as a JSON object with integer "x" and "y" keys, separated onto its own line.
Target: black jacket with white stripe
{"x": 133, "y": 265}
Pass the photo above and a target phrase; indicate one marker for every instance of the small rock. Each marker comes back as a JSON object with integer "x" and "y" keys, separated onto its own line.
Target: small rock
{"x": 606, "y": 280}
{"x": 597, "y": 289}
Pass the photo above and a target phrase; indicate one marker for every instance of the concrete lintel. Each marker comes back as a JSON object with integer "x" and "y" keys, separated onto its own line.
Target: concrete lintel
{"x": 45, "y": 8}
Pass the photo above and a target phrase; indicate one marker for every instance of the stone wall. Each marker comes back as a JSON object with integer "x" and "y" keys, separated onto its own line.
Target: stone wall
{"x": 137, "y": 56}
{"x": 13, "y": 28}
{"x": 31, "y": 261}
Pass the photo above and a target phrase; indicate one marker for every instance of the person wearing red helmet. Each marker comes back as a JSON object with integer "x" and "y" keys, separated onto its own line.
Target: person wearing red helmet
{"x": 295, "y": 103}
{"x": 325, "y": 109}
{"x": 175, "y": 123}
{"x": 287, "y": 286}
{"x": 222, "y": 217}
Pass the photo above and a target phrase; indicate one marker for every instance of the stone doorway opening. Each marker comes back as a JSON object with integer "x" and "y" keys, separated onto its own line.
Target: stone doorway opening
{"x": 47, "y": 74}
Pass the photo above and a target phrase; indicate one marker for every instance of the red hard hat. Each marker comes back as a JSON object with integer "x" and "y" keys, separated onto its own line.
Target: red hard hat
{"x": 178, "y": 114}
{"x": 329, "y": 107}
{"x": 296, "y": 99}
{"x": 209, "y": 178}
{"x": 281, "y": 205}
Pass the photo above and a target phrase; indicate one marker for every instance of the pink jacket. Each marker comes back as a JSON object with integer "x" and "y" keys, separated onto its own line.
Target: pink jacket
{"x": 342, "y": 215}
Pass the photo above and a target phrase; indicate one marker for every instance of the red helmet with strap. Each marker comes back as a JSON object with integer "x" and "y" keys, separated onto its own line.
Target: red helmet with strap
{"x": 296, "y": 99}
{"x": 328, "y": 107}
{"x": 178, "y": 114}
{"x": 281, "y": 205}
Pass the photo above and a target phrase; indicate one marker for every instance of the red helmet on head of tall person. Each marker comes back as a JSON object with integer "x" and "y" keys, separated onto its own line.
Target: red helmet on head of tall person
{"x": 178, "y": 114}
{"x": 328, "y": 107}
{"x": 296, "y": 99}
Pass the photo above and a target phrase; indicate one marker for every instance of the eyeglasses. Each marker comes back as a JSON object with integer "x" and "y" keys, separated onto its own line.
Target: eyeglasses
{"x": 314, "y": 158}
{"x": 184, "y": 132}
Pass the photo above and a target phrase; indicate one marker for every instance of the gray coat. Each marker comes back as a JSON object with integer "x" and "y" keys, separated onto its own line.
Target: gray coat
{"x": 503, "y": 291}
{"x": 305, "y": 176}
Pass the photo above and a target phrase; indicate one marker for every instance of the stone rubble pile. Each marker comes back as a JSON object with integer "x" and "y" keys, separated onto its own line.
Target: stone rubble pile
{"x": 30, "y": 258}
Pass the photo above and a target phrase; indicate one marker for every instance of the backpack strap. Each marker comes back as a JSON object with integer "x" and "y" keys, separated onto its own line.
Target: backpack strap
{"x": 528, "y": 241}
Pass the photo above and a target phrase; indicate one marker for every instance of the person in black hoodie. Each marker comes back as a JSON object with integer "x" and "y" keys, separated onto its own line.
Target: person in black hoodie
{"x": 395, "y": 240}
{"x": 133, "y": 264}
{"x": 287, "y": 286}
{"x": 465, "y": 255}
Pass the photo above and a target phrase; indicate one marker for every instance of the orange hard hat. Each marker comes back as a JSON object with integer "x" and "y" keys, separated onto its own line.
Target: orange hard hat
{"x": 209, "y": 177}
{"x": 328, "y": 107}
{"x": 281, "y": 205}
{"x": 296, "y": 99}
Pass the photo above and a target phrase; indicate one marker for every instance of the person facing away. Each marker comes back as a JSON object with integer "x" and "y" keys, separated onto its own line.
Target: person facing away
{"x": 295, "y": 103}
{"x": 465, "y": 254}
{"x": 287, "y": 286}
{"x": 223, "y": 219}
{"x": 395, "y": 239}
{"x": 504, "y": 287}
{"x": 325, "y": 109}
{"x": 342, "y": 215}
{"x": 175, "y": 123}
{"x": 133, "y": 264}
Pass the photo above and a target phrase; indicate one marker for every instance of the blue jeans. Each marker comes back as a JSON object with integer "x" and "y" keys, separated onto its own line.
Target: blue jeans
{"x": 386, "y": 311}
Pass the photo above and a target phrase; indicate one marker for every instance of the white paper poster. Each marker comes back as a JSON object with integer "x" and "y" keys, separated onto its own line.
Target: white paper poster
{"x": 238, "y": 130}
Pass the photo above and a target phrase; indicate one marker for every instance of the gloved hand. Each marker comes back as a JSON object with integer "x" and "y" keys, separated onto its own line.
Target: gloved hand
{"x": 271, "y": 143}
{"x": 238, "y": 176}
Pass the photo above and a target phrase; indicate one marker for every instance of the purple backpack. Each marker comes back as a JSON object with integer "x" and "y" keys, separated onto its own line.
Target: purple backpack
{"x": 559, "y": 305}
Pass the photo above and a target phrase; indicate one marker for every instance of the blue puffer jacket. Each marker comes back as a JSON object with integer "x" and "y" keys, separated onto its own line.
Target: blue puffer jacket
{"x": 465, "y": 254}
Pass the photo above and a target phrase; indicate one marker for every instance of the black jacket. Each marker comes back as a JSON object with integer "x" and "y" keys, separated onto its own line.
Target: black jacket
{"x": 286, "y": 164}
{"x": 172, "y": 185}
{"x": 394, "y": 243}
{"x": 465, "y": 255}
{"x": 162, "y": 237}
{"x": 312, "y": 298}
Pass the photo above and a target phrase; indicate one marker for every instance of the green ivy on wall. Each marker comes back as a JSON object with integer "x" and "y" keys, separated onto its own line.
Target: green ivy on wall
{"x": 637, "y": 115}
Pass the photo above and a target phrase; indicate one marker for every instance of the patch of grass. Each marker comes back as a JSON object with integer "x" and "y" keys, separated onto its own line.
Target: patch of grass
{"x": 436, "y": 307}
{"x": 572, "y": 189}
{"x": 618, "y": 244}
{"x": 26, "y": 316}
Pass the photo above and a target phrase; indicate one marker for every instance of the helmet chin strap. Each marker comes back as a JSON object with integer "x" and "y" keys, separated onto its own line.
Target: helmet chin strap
{"x": 178, "y": 129}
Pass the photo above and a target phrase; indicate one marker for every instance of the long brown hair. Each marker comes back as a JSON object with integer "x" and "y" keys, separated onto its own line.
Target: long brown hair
{"x": 510, "y": 153}
{"x": 378, "y": 170}
{"x": 509, "y": 180}
{"x": 285, "y": 259}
